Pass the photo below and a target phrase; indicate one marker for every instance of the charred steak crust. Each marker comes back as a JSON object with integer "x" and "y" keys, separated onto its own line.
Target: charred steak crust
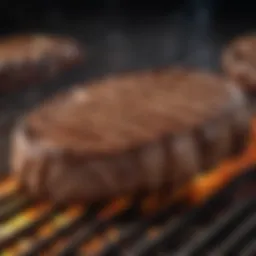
{"x": 239, "y": 61}
{"x": 34, "y": 57}
{"x": 129, "y": 133}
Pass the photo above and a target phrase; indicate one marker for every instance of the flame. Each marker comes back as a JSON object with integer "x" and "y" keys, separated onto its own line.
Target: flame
{"x": 115, "y": 207}
{"x": 205, "y": 185}
{"x": 8, "y": 186}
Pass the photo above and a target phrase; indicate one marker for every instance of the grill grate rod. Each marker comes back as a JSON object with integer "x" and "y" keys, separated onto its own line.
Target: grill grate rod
{"x": 219, "y": 229}
{"x": 7, "y": 198}
{"x": 137, "y": 230}
{"x": 98, "y": 225}
{"x": 28, "y": 229}
{"x": 14, "y": 207}
{"x": 44, "y": 243}
{"x": 242, "y": 231}
{"x": 82, "y": 237}
{"x": 174, "y": 229}
{"x": 244, "y": 240}
{"x": 66, "y": 229}
{"x": 250, "y": 249}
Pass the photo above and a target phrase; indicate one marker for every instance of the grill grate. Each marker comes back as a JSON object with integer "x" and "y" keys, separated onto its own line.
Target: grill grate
{"x": 201, "y": 243}
{"x": 219, "y": 226}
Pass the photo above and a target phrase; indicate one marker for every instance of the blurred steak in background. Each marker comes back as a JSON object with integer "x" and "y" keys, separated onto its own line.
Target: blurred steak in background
{"x": 32, "y": 58}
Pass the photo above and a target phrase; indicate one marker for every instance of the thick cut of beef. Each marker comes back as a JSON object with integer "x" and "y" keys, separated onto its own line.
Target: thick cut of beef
{"x": 131, "y": 133}
{"x": 30, "y": 58}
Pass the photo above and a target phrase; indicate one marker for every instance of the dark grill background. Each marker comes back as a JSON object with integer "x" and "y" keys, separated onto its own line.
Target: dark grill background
{"x": 127, "y": 36}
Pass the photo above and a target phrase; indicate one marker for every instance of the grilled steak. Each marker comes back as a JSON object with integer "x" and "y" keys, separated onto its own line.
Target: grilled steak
{"x": 239, "y": 61}
{"x": 26, "y": 59}
{"x": 130, "y": 133}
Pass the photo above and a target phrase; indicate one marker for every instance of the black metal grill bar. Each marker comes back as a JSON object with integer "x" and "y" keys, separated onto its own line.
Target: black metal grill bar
{"x": 250, "y": 249}
{"x": 175, "y": 229}
{"x": 28, "y": 229}
{"x": 76, "y": 223}
{"x": 96, "y": 226}
{"x": 140, "y": 227}
{"x": 243, "y": 241}
{"x": 16, "y": 206}
{"x": 113, "y": 248}
{"x": 45, "y": 243}
{"x": 218, "y": 230}
{"x": 248, "y": 226}
{"x": 7, "y": 198}
{"x": 82, "y": 237}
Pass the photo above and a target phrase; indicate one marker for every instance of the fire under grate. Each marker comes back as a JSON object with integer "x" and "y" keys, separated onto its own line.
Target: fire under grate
{"x": 225, "y": 224}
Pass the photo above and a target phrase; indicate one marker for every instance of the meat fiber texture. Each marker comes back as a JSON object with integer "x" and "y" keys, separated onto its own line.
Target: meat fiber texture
{"x": 128, "y": 134}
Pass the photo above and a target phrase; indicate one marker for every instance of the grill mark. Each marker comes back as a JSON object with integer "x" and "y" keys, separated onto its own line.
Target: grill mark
{"x": 152, "y": 164}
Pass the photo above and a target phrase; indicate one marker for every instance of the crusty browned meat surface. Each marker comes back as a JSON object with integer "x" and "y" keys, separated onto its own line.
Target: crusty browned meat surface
{"x": 129, "y": 133}
{"x": 239, "y": 61}
{"x": 30, "y": 58}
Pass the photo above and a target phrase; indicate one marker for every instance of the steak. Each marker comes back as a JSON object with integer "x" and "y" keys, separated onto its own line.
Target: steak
{"x": 130, "y": 133}
{"x": 239, "y": 61}
{"x": 31, "y": 58}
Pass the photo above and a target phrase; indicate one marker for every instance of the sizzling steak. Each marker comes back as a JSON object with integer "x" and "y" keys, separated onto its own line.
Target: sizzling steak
{"x": 26, "y": 59}
{"x": 129, "y": 133}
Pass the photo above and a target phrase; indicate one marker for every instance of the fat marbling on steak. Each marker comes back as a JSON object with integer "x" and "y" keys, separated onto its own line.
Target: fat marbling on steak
{"x": 130, "y": 133}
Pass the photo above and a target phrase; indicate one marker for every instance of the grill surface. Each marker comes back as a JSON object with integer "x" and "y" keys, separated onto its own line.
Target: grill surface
{"x": 222, "y": 225}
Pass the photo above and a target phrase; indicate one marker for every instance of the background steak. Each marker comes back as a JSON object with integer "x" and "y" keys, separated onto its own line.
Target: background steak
{"x": 239, "y": 61}
{"x": 27, "y": 59}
